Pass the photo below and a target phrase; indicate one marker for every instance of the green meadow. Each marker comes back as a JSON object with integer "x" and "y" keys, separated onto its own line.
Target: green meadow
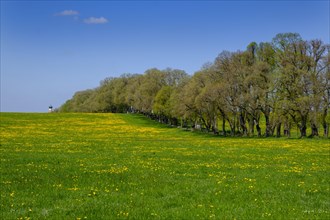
{"x": 124, "y": 166}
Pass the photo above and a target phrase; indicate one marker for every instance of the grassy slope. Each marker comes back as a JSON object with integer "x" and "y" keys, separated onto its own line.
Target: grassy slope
{"x": 106, "y": 166}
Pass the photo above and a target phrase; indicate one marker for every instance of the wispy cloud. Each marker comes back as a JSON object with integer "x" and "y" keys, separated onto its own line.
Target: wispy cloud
{"x": 67, "y": 13}
{"x": 75, "y": 15}
{"x": 93, "y": 20}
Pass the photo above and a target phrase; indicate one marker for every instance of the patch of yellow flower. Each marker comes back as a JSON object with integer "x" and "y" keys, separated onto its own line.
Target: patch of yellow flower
{"x": 115, "y": 170}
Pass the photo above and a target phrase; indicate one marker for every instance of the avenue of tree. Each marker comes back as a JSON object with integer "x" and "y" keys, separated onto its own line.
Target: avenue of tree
{"x": 286, "y": 83}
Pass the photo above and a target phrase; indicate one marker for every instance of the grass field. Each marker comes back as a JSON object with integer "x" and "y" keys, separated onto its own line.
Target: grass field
{"x": 118, "y": 166}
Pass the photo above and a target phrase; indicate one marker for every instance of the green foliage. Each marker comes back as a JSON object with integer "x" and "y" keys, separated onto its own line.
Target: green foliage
{"x": 125, "y": 166}
{"x": 162, "y": 101}
{"x": 286, "y": 81}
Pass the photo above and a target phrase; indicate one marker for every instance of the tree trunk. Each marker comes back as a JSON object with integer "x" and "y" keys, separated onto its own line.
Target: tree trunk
{"x": 223, "y": 115}
{"x": 315, "y": 130}
{"x": 224, "y": 126}
{"x": 251, "y": 126}
{"x": 303, "y": 126}
{"x": 258, "y": 128}
{"x": 302, "y": 129}
{"x": 326, "y": 129}
{"x": 242, "y": 124}
{"x": 278, "y": 130}
{"x": 215, "y": 125}
{"x": 268, "y": 126}
{"x": 272, "y": 130}
{"x": 232, "y": 128}
{"x": 232, "y": 124}
{"x": 207, "y": 126}
{"x": 287, "y": 129}
{"x": 324, "y": 123}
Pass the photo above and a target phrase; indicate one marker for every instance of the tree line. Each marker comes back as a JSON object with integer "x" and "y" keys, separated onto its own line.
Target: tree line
{"x": 285, "y": 82}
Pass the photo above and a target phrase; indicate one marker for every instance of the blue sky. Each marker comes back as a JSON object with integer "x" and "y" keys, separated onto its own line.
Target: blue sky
{"x": 51, "y": 49}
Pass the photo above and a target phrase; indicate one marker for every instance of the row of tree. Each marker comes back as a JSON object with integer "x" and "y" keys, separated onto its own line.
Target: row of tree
{"x": 283, "y": 83}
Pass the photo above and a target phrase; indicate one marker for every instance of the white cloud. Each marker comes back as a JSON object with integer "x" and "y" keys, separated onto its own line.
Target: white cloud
{"x": 93, "y": 20}
{"x": 67, "y": 13}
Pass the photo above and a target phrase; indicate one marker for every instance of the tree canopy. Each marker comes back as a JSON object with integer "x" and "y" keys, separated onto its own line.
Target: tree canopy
{"x": 286, "y": 82}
